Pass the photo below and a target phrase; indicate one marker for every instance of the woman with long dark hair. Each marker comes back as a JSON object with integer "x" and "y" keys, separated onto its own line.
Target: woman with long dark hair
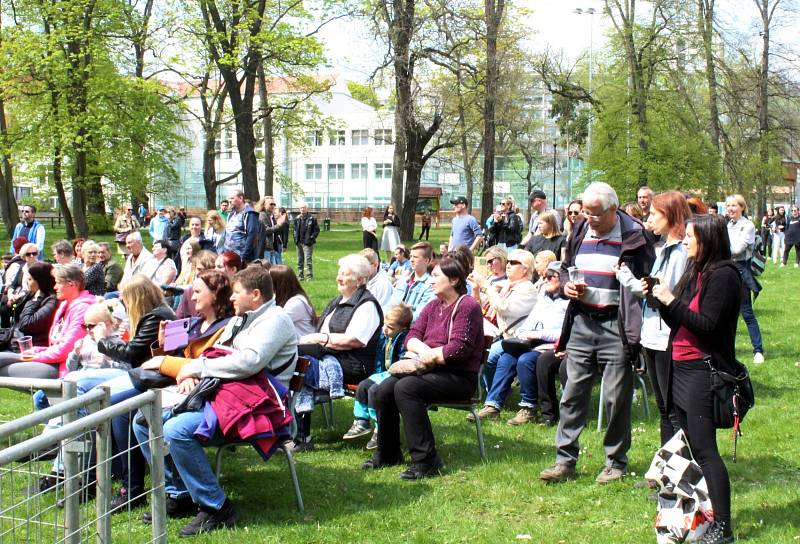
{"x": 291, "y": 296}
{"x": 702, "y": 315}
{"x": 39, "y": 306}
{"x": 391, "y": 231}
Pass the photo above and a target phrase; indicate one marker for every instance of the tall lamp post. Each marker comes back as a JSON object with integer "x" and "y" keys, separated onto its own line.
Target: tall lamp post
{"x": 555, "y": 156}
{"x": 590, "y": 12}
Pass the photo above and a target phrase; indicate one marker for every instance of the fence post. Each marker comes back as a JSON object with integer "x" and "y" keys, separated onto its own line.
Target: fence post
{"x": 72, "y": 476}
{"x": 103, "y": 468}
{"x": 158, "y": 499}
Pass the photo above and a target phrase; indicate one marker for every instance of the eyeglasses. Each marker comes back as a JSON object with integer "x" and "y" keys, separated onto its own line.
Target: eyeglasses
{"x": 89, "y": 326}
{"x": 32, "y": 254}
{"x": 595, "y": 217}
{"x": 574, "y": 212}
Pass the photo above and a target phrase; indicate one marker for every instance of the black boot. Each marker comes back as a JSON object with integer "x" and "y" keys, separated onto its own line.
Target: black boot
{"x": 720, "y": 532}
{"x": 210, "y": 520}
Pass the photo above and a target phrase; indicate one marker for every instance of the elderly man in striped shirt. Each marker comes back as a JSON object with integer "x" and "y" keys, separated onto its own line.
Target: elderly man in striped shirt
{"x": 601, "y": 329}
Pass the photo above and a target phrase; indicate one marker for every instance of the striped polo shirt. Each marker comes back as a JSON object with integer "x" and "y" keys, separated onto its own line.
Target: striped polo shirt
{"x": 596, "y": 258}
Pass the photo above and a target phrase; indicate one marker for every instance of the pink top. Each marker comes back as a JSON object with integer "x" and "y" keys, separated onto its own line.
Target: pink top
{"x": 686, "y": 345}
{"x": 67, "y": 328}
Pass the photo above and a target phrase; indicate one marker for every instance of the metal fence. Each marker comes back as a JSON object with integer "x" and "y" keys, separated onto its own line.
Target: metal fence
{"x": 74, "y": 505}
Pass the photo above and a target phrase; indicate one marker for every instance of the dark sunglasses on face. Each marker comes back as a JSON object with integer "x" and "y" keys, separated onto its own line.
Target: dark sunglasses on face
{"x": 513, "y": 263}
{"x": 32, "y": 254}
{"x": 573, "y": 212}
{"x": 89, "y": 326}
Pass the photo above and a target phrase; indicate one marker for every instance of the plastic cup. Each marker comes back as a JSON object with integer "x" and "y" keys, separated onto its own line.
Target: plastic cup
{"x": 25, "y": 344}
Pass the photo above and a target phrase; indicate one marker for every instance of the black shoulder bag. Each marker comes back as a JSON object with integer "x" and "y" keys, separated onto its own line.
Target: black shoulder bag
{"x": 733, "y": 397}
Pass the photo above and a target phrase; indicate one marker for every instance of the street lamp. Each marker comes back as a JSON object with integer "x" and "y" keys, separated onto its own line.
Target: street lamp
{"x": 590, "y": 12}
{"x": 555, "y": 151}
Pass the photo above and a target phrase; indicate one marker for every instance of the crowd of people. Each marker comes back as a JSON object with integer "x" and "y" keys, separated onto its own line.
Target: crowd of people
{"x": 588, "y": 291}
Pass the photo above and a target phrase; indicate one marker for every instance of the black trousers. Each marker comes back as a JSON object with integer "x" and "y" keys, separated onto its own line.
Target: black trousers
{"x": 409, "y": 397}
{"x": 426, "y": 231}
{"x": 787, "y": 248}
{"x": 692, "y": 398}
{"x": 547, "y": 368}
{"x": 658, "y": 370}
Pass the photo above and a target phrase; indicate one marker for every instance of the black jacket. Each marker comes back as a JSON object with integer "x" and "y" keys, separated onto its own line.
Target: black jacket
{"x": 637, "y": 254}
{"x": 715, "y": 324}
{"x": 137, "y": 350}
{"x": 36, "y": 318}
{"x": 306, "y": 230}
{"x": 792, "y": 231}
{"x": 269, "y": 237}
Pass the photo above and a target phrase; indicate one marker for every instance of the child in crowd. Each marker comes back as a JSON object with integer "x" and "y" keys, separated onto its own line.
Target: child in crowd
{"x": 390, "y": 349}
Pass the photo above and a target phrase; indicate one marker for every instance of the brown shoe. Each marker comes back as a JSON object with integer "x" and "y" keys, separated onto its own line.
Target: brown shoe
{"x": 609, "y": 474}
{"x": 558, "y": 473}
{"x": 525, "y": 415}
{"x": 487, "y": 412}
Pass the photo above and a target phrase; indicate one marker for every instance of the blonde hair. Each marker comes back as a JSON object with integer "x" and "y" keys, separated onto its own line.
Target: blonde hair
{"x": 215, "y": 221}
{"x": 140, "y": 296}
{"x": 550, "y": 219}
{"x": 544, "y": 258}
{"x": 100, "y": 312}
{"x": 737, "y": 199}
{"x": 526, "y": 258}
{"x": 497, "y": 252}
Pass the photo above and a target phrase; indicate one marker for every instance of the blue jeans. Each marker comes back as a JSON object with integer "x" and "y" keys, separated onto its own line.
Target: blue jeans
{"x": 187, "y": 469}
{"x": 495, "y": 351}
{"x": 528, "y": 384}
{"x": 749, "y": 316}
{"x": 272, "y": 256}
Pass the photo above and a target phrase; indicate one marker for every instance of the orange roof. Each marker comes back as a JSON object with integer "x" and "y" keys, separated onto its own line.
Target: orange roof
{"x": 274, "y": 85}
{"x": 430, "y": 192}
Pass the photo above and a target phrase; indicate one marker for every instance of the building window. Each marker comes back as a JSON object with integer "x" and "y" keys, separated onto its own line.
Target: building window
{"x": 314, "y": 138}
{"x": 313, "y": 172}
{"x": 335, "y": 171}
{"x": 358, "y": 171}
{"x": 336, "y": 137}
{"x": 360, "y": 137}
{"x": 228, "y": 143}
{"x": 383, "y": 136}
{"x": 383, "y": 170}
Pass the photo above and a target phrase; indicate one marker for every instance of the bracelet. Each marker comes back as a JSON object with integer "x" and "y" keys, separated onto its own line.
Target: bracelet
{"x": 327, "y": 339}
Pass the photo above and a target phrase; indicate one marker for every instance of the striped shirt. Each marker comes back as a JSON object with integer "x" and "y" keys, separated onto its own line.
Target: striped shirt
{"x": 596, "y": 259}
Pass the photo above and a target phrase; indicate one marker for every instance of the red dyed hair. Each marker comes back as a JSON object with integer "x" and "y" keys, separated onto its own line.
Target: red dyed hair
{"x": 674, "y": 207}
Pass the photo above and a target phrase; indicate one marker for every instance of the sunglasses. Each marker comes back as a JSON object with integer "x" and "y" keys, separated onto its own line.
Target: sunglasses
{"x": 32, "y": 254}
{"x": 574, "y": 213}
{"x": 27, "y": 211}
{"x": 514, "y": 263}
{"x": 89, "y": 326}
{"x": 490, "y": 261}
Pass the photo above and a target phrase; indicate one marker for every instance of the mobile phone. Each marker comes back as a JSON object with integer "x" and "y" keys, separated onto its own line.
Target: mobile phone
{"x": 176, "y": 334}
{"x": 651, "y": 300}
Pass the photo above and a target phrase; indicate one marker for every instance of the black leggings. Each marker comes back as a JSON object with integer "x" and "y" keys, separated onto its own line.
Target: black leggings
{"x": 787, "y": 247}
{"x": 426, "y": 231}
{"x": 692, "y": 398}
{"x": 658, "y": 370}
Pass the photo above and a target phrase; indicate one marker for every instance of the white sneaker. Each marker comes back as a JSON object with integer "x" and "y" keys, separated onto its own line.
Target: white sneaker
{"x": 758, "y": 358}
{"x": 796, "y": 265}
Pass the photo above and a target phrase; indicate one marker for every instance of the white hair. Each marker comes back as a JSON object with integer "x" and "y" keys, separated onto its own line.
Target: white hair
{"x": 357, "y": 265}
{"x": 135, "y": 236}
{"x": 603, "y": 193}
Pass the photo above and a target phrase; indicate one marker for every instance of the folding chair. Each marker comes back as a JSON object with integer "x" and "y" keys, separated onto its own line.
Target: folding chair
{"x": 295, "y": 384}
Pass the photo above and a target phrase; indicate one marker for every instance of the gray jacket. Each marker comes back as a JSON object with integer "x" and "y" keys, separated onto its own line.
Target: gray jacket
{"x": 267, "y": 341}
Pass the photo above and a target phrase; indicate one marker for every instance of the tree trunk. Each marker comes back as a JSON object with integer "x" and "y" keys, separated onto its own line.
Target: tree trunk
{"x": 9, "y": 210}
{"x": 58, "y": 181}
{"x": 763, "y": 109}
{"x": 268, "y": 143}
{"x": 210, "y": 171}
{"x": 493, "y": 16}
{"x": 706, "y": 23}
{"x": 401, "y": 25}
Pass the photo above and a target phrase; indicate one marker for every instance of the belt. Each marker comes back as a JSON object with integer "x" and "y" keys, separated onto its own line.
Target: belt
{"x": 599, "y": 314}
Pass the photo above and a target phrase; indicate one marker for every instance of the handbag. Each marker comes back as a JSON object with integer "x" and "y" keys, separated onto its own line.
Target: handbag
{"x": 733, "y": 397}
{"x": 149, "y": 379}
{"x": 758, "y": 263}
{"x": 410, "y": 366}
{"x": 516, "y": 347}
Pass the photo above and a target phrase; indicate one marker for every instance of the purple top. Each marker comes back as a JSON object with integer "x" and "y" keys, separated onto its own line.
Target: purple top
{"x": 464, "y": 350}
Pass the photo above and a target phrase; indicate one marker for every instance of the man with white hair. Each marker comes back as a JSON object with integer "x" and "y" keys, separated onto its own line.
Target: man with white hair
{"x": 601, "y": 330}
{"x": 139, "y": 260}
{"x": 306, "y": 230}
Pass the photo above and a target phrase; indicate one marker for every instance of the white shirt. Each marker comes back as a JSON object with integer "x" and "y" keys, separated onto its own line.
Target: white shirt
{"x": 369, "y": 224}
{"x": 363, "y": 324}
{"x": 301, "y": 313}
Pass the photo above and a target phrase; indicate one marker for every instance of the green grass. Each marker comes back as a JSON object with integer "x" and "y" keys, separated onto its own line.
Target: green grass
{"x": 498, "y": 500}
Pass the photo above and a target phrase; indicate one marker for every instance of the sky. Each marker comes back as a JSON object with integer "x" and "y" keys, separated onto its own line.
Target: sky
{"x": 554, "y": 25}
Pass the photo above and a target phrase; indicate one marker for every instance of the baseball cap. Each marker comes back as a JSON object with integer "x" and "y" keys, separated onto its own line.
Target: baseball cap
{"x": 459, "y": 200}
{"x": 555, "y": 266}
{"x": 538, "y": 193}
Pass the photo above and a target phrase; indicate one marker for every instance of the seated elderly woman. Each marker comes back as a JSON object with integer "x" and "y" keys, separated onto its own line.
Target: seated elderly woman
{"x": 349, "y": 330}
{"x": 510, "y": 302}
{"x": 447, "y": 339}
{"x": 534, "y": 337}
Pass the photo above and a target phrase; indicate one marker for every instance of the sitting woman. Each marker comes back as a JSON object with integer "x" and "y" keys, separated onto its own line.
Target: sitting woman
{"x": 496, "y": 260}
{"x": 39, "y": 306}
{"x": 67, "y": 328}
{"x": 540, "y": 264}
{"x": 348, "y": 334}
{"x": 186, "y": 273}
{"x": 549, "y": 237}
{"x": 291, "y": 296}
{"x": 228, "y": 262}
{"x": 165, "y": 271}
{"x": 539, "y": 331}
{"x": 146, "y": 310}
{"x": 447, "y": 338}
{"x": 185, "y": 303}
{"x": 93, "y": 268}
{"x": 18, "y": 284}
{"x": 510, "y": 302}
